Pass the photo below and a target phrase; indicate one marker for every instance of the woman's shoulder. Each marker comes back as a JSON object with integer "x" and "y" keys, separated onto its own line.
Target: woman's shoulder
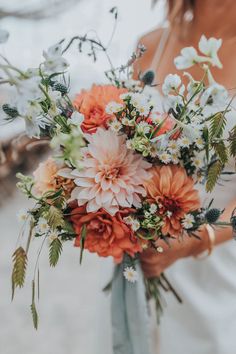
{"x": 150, "y": 41}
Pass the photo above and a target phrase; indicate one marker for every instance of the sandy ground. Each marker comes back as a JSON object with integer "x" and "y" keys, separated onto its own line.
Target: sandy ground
{"x": 68, "y": 302}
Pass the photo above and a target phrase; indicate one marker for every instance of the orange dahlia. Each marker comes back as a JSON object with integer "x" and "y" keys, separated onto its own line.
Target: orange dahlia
{"x": 92, "y": 104}
{"x": 106, "y": 235}
{"x": 173, "y": 190}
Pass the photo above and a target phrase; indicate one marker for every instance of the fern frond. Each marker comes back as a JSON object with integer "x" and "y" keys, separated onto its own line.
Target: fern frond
{"x": 55, "y": 252}
{"x": 19, "y": 269}
{"x": 232, "y": 145}
{"x": 55, "y": 217}
{"x": 213, "y": 175}
{"x": 221, "y": 151}
{"x": 217, "y": 125}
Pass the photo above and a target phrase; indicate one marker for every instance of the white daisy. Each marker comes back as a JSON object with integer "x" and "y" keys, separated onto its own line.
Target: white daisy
{"x": 115, "y": 125}
{"x": 199, "y": 142}
{"x": 197, "y": 162}
{"x": 130, "y": 274}
{"x": 160, "y": 249}
{"x": 153, "y": 208}
{"x": 188, "y": 221}
{"x": 165, "y": 157}
{"x": 114, "y": 107}
{"x": 184, "y": 142}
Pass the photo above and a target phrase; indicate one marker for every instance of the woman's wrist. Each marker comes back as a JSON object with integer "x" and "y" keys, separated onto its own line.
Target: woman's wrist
{"x": 197, "y": 246}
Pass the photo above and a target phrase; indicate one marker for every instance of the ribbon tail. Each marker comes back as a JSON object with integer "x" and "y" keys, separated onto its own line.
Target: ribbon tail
{"x": 130, "y": 318}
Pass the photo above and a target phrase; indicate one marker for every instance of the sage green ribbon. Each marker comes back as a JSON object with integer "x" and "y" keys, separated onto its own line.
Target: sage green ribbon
{"x": 130, "y": 319}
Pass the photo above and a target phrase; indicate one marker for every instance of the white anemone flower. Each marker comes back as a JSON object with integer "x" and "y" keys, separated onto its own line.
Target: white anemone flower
{"x": 215, "y": 98}
{"x": 76, "y": 119}
{"x": 54, "y": 61}
{"x": 188, "y": 58}
{"x": 210, "y": 47}
{"x": 171, "y": 84}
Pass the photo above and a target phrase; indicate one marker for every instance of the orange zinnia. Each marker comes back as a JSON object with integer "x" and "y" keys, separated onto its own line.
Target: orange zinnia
{"x": 173, "y": 190}
{"x": 92, "y": 104}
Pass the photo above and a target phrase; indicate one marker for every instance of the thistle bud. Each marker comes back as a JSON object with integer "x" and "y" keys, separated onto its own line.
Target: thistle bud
{"x": 10, "y": 111}
{"x": 213, "y": 215}
{"x": 60, "y": 87}
{"x": 148, "y": 77}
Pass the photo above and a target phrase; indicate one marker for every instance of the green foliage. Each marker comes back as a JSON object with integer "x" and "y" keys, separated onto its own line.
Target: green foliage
{"x": 33, "y": 307}
{"x": 55, "y": 250}
{"x": 213, "y": 175}
{"x": 82, "y": 241}
{"x": 25, "y": 185}
{"x": 232, "y": 145}
{"x": 217, "y": 125}
{"x": 19, "y": 269}
{"x": 54, "y": 217}
{"x": 221, "y": 151}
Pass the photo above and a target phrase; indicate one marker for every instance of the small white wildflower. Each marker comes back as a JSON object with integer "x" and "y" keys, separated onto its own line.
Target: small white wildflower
{"x": 197, "y": 162}
{"x": 128, "y": 122}
{"x": 153, "y": 150}
{"x": 214, "y": 98}
{"x": 153, "y": 208}
{"x": 143, "y": 128}
{"x": 42, "y": 226}
{"x": 22, "y": 215}
{"x": 134, "y": 223}
{"x": 188, "y": 221}
{"x": 140, "y": 102}
{"x": 115, "y": 125}
{"x": 175, "y": 158}
{"x": 184, "y": 142}
{"x": 173, "y": 146}
{"x": 160, "y": 249}
{"x": 114, "y": 107}
{"x": 199, "y": 142}
{"x": 165, "y": 157}
{"x": 169, "y": 214}
{"x": 171, "y": 84}
{"x": 130, "y": 274}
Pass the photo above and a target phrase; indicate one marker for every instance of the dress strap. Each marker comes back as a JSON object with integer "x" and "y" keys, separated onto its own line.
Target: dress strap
{"x": 160, "y": 48}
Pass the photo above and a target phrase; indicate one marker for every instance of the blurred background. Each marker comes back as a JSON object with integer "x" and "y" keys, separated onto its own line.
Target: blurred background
{"x": 70, "y": 294}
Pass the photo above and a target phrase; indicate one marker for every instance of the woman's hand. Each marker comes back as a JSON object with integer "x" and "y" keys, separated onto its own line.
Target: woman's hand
{"x": 154, "y": 263}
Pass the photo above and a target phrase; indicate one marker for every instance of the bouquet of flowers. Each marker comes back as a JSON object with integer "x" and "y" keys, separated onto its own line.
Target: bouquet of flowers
{"x": 123, "y": 172}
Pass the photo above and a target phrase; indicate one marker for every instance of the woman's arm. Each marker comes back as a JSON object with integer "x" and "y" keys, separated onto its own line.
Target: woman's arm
{"x": 154, "y": 263}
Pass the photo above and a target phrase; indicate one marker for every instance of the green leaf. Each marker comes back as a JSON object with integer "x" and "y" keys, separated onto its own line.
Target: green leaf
{"x": 221, "y": 151}
{"x": 34, "y": 312}
{"x": 213, "y": 175}
{"x": 55, "y": 250}
{"x": 55, "y": 217}
{"x": 232, "y": 145}
{"x": 19, "y": 269}
{"x": 82, "y": 241}
{"x": 217, "y": 125}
